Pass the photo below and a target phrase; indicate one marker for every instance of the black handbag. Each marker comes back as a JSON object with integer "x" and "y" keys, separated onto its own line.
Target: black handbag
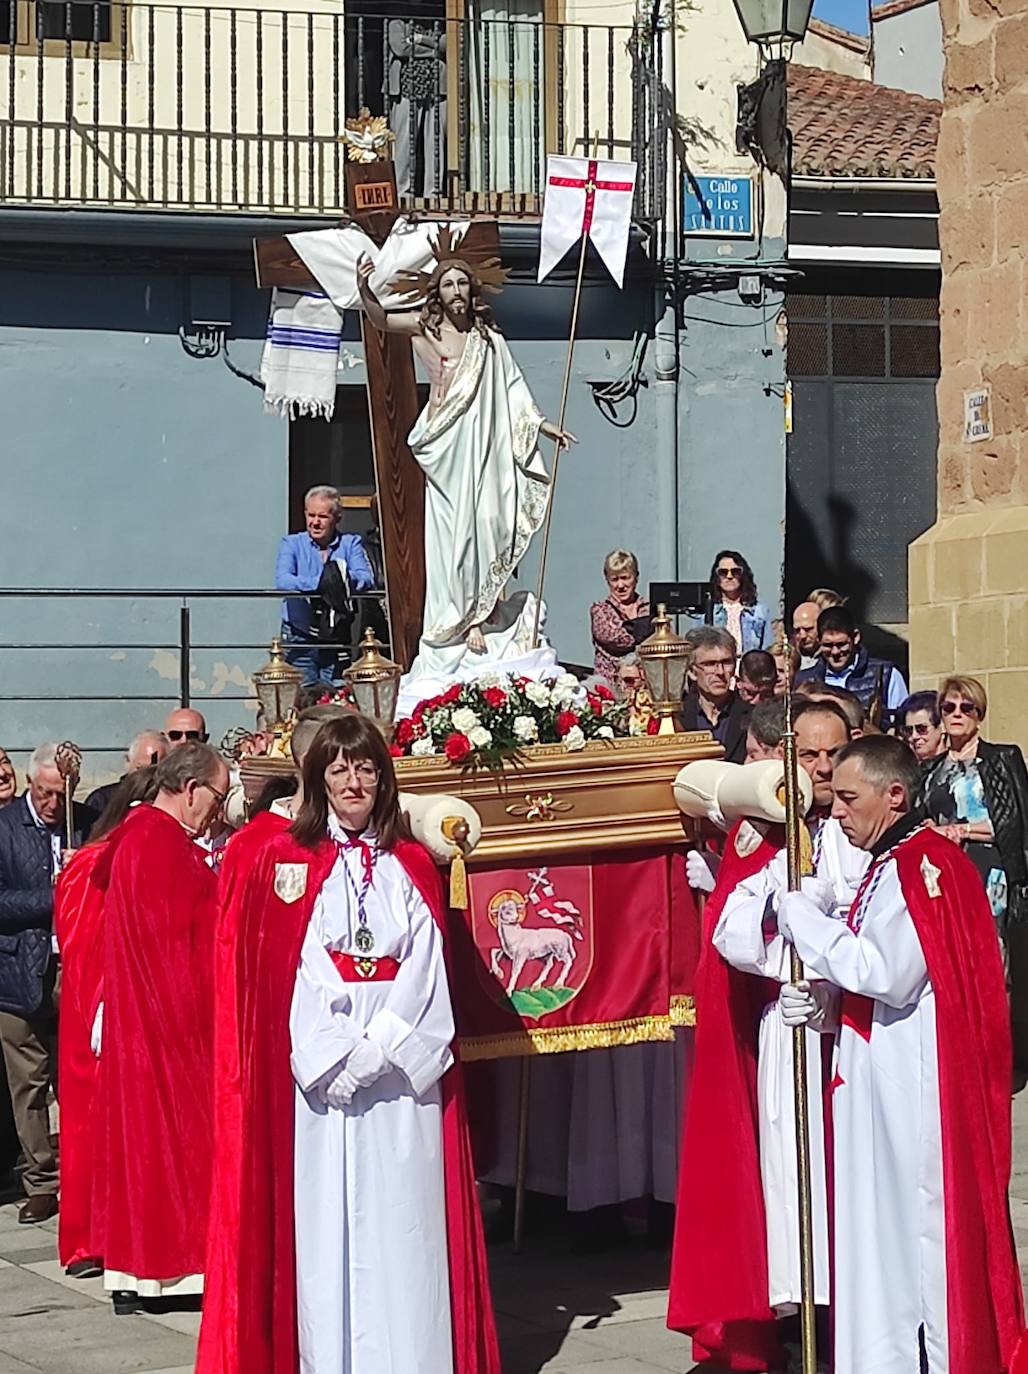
{"x": 24, "y": 959}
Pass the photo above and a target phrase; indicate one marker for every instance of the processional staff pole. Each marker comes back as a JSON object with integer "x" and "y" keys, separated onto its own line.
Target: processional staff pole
{"x": 561, "y": 416}
{"x": 795, "y": 865}
{"x": 68, "y": 759}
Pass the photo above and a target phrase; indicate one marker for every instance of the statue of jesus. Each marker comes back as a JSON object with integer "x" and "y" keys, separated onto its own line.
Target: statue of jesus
{"x": 477, "y": 442}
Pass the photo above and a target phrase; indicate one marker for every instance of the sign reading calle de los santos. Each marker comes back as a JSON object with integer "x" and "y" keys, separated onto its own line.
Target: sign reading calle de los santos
{"x": 719, "y": 206}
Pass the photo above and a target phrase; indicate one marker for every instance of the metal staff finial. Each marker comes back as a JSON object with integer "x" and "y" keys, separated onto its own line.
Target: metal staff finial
{"x": 68, "y": 758}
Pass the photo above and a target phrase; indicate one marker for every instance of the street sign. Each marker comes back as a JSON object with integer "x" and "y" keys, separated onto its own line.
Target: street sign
{"x": 719, "y": 206}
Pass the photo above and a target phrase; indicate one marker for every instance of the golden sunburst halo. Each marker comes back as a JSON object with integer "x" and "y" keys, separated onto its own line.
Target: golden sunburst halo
{"x": 412, "y": 287}
{"x": 367, "y": 137}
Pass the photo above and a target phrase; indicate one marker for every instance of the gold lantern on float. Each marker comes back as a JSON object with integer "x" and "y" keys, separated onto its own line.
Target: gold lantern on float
{"x": 277, "y": 685}
{"x": 665, "y": 660}
{"x": 375, "y": 683}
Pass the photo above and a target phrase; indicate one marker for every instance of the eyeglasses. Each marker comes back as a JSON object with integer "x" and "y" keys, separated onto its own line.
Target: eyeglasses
{"x": 919, "y": 729}
{"x": 966, "y": 708}
{"x": 365, "y": 773}
{"x": 715, "y": 665}
{"x": 222, "y": 797}
{"x": 176, "y": 735}
{"x": 729, "y": 572}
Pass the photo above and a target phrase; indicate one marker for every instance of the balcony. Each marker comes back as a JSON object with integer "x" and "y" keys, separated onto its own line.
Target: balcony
{"x": 122, "y": 104}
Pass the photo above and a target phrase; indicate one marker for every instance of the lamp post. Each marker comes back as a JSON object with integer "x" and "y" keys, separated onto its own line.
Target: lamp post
{"x": 375, "y": 681}
{"x": 665, "y": 660}
{"x": 774, "y": 25}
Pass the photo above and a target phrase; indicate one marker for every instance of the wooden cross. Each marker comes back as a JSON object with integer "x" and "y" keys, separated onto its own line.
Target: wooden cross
{"x": 392, "y": 399}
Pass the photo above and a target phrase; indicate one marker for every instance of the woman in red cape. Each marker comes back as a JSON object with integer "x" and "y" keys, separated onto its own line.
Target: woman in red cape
{"x": 78, "y": 926}
{"x": 719, "y": 1284}
{"x": 250, "y": 1320}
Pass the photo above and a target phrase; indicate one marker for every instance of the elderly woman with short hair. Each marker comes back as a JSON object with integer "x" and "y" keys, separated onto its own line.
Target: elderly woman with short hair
{"x": 621, "y": 621}
{"x": 977, "y": 793}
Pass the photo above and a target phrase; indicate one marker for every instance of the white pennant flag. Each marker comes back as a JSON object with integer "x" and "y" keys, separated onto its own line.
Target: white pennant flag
{"x": 587, "y": 196}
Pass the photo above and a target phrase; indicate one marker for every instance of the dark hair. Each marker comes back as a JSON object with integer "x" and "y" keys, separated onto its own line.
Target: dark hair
{"x": 920, "y": 701}
{"x": 757, "y": 666}
{"x": 836, "y": 620}
{"x": 480, "y": 317}
{"x": 848, "y": 703}
{"x": 767, "y": 722}
{"x": 823, "y": 708}
{"x": 355, "y": 738}
{"x": 140, "y": 786}
{"x": 748, "y": 594}
{"x": 884, "y": 759}
{"x": 191, "y": 762}
{"x": 272, "y": 791}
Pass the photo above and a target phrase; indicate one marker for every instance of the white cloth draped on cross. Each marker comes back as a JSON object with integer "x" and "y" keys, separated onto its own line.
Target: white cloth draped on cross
{"x": 587, "y": 196}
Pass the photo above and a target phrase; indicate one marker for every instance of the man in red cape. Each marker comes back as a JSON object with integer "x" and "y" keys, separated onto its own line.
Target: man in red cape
{"x": 250, "y": 1320}
{"x": 719, "y": 1284}
{"x": 924, "y": 1260}
{"x": 153, "y": 1173}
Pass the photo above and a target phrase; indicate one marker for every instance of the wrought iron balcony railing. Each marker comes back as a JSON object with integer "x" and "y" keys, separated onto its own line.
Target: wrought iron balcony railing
{"x": 125, "y": 103}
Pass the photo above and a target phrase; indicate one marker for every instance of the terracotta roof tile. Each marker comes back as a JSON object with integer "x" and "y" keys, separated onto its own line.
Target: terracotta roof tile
{"x": 844, "y": 127}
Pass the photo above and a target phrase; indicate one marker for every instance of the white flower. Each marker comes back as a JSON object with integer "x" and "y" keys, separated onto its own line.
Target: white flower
{"x": 479, "y": 736}
{"x": 538, "y": 693}
{"x": 423, "y": 746}
{"x": 526, "y": 729}
{"x": 492, "y": 680}
{"x": 567, "y": 680}
{"x": 574, "y": 739}
{"x": 563, "y": 696}
{"x": 604, "y": 732}
{"x": 465, "y": 720}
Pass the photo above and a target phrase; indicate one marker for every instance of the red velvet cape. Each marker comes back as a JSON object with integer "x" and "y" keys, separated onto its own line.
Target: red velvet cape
{"x": 719, "y": 1281}
{"x": 78, "y": 925}
{"x": 153, "y": 1178}
{"x": 249, "y": 1319}
{"x": 958, "y": 937}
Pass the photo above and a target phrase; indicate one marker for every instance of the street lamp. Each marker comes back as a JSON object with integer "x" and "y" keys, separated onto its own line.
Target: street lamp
{"x": 774, "y": 25}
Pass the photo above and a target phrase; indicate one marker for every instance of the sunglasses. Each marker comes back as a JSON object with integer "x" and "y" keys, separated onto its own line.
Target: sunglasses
{"x": 187, "y": 734}
{"x": 919, "y": 729}
{"x": 729, "y": 572}
{"x": 966, "y": 708}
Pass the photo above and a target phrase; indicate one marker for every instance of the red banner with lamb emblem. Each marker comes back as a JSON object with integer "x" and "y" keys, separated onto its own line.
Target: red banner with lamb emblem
{"x": 582, "y": 953}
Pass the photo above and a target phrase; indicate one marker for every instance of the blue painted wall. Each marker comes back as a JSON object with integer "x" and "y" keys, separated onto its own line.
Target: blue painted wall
{"x": 128, "y": 464}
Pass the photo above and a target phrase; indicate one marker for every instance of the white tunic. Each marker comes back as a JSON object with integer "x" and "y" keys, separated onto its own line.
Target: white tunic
{"x": 739, "y": 938}
{"x": 372, "y": 1275}
{"x": 890, "y": 1238}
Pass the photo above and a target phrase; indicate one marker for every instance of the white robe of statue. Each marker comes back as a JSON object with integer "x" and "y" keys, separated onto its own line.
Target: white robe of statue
{"x": 890, "y": 1219}
{"x": 486, "y": 492}
{"x": 372, "y": 1276}
{"x": 739, "y": 938}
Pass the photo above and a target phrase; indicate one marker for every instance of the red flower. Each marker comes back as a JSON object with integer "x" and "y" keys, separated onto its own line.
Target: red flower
{"x": 595, "y": 705}
{"x": 566, "y": 720}
{"x": 418, "y": 712}
{"x": 603, "y": 692}
{"x": 457, "y": 747}
{"x": 494, "y": 696}
{"x": 396, "y": 751}
{"x": 653, "y": 726}
{"x": 405, "y": 732}
{"x": 450, "y": 695}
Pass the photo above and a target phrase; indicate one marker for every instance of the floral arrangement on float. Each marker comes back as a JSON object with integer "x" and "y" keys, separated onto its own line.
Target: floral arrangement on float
{"x": 495, "y": 716}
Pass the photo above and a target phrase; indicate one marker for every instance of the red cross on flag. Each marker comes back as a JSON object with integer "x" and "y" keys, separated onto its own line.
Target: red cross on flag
{"x": 587, "y": 196}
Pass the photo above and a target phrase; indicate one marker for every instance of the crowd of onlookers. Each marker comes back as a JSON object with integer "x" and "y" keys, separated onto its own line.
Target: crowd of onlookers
{"x": 741, "y": 661}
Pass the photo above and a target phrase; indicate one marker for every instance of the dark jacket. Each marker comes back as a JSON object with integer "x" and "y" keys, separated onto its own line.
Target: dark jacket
{"x": 869, "y": 677}
{"x": 26, "y": 903}
{"x": 737, "y": 723}
{"x": 1005, "y": 784}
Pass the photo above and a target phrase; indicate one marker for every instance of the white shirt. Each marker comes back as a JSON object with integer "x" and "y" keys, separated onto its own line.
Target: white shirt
{"x": 54, "y": 833}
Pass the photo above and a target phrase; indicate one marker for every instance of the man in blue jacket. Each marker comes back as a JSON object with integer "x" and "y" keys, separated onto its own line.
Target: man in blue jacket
{"x": 32, "y": 848}
{"x": 315, "y": 560}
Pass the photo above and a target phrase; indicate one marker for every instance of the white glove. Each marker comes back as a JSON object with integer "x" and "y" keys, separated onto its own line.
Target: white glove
{"x": 366, "y": 1063}
{"x": 819, "y": 891}
{"x": 698, "y": 870}
{"x": 340, "y": 1088}
{"x": 808, "y": 1004}
{"x": 96, "y": 1034}
{"x": 797, "y": 1005}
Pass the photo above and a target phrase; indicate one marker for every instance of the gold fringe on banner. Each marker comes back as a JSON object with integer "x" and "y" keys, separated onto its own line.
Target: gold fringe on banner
{"x": 557, "y": 1039}
{"x": 683, "y": 1010}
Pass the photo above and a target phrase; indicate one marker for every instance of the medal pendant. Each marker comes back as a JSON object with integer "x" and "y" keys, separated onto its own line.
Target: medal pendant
{"x": 364, "y": 940}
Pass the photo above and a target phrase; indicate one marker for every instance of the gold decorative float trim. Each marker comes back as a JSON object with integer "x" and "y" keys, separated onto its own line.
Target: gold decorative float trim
{"x": 683, "y": 1010}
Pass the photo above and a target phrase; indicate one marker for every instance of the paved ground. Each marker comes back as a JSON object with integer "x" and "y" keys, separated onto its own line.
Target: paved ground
{"x": 558, "y": 1313}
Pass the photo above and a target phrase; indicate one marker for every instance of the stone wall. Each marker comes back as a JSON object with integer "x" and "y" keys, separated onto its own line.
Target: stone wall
{"x": 969, "y": 572}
